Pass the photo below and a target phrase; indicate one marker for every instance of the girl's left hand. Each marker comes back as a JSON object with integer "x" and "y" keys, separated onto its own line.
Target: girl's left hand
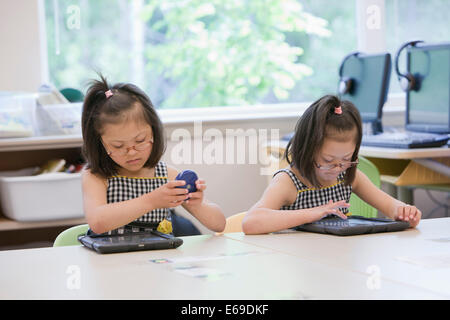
{"x": 410, "y": 214}
{"x": 196, "y": 198}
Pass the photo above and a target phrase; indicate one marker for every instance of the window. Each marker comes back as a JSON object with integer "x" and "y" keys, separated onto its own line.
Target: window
{"x": 408, "y": 20}
{"x": 203, "y": 53}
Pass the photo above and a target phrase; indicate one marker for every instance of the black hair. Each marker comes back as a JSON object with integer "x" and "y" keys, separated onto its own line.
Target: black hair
{"x": 98, "y": 109}
{"x": 318, "y": 122}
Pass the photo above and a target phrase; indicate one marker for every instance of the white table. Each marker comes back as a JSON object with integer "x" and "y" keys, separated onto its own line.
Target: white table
{"x": 417, "y": 258}
{"x": 206, "y": 267}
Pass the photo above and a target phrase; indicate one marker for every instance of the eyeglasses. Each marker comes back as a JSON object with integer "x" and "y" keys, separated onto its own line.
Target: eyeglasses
{"x": 122, "y": 151}
{"x": 341, "y": 165}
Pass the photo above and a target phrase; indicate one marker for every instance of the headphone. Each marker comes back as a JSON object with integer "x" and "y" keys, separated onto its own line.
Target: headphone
{"x": 346, "y": 84}
{"x": 408, "y": 82}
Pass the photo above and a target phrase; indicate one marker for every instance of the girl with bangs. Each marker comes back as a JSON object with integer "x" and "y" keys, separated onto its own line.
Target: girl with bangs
{"x": 322, "y": 174}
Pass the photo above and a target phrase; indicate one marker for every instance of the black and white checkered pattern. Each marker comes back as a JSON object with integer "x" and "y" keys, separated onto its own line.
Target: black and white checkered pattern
{"x": 313, "y": 197}
{"x": 122, "y": 188}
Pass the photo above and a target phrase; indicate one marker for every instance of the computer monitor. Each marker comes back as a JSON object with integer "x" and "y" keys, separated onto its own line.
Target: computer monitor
{"x": 427, "y": 108}
{"x": 370, "y": 74}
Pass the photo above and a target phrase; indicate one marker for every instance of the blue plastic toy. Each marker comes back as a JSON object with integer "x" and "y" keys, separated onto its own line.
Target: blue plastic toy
{"x": 190, "y": 177}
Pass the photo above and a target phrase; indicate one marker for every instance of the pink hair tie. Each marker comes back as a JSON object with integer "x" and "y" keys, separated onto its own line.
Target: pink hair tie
{"x": 338, "y": 110}
{"x": 108, "y": 94}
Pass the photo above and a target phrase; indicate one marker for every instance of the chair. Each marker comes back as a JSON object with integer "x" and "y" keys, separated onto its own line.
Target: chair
{"x": 233, "y": 223}
{"x": 357, "y": 206}
{"x": 182, "y": 226}
{"x": 69, "y": 237}
{"x": 73, "y": 95}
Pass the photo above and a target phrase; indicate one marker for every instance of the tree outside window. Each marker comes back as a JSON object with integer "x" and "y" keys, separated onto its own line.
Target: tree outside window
{"x": 202, "y": 53}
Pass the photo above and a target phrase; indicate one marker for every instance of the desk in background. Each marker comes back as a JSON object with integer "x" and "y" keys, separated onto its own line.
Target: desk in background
{"x": 403, "y": 170}
{"x": 234, "y": 266}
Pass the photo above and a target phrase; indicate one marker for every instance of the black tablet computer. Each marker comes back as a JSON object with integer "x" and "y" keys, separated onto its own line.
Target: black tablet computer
{"x": 353, "y": 225}
{"x": 136, "y": 241}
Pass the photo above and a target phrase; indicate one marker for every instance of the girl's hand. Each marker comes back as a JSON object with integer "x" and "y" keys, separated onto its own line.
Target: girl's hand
{"x": 196, "y": 198}
{"x": 408, "y": 213}
{"x": 168, "y": 196}
{"x": 331, "y": 207}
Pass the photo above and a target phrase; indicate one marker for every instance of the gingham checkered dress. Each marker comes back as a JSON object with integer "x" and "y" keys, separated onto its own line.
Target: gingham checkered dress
{"x": 313, "y": 197}
{"x": 122, "y": 188}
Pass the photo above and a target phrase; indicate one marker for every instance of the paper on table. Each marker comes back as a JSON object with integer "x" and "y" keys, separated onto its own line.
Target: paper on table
{"x": 188, "y": 259}
{"x": 186, "y": 265}
{"x": 208, "y": 274}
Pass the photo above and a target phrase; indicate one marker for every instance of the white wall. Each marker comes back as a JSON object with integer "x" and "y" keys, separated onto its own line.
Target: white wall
{"x": 23, "y": 61}
{"x": 235, "y": 186}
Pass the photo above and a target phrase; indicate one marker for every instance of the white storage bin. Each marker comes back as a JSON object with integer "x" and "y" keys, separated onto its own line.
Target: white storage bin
{"x": 50, "y": 196}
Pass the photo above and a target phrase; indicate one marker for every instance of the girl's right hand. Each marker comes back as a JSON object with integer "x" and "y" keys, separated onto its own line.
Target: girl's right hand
{"x": 168, "y": 196}
{"x": 331, "y": 207}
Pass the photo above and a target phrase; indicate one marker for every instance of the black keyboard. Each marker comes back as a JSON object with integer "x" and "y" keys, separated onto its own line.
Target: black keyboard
{"x": 405, "y": 140}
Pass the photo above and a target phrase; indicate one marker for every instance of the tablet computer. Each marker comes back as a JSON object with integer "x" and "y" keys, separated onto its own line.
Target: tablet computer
{"x": 353, "y": 225}
{"x": 136, "y": 241}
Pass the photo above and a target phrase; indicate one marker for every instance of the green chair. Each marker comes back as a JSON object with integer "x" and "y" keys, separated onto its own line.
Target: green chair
{"x": 357, "y": 206}
{"x": 69, "y": 237}
{"x": 73, "y": 95}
